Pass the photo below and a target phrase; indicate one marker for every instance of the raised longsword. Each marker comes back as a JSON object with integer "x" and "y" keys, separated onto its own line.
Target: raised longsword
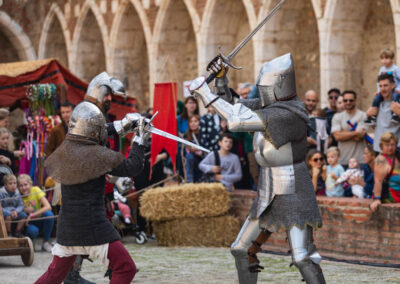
{"x": 227, "y": 59}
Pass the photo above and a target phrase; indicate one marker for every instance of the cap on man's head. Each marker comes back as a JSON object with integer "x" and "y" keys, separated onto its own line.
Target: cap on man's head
{"x": 4, "y": 113}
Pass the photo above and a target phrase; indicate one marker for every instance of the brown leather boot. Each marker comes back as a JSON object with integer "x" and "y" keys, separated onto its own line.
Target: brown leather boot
{"x": 254, "y": 265}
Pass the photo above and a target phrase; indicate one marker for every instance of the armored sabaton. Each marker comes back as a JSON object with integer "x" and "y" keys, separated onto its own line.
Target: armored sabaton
{"x": 285, "y": 192}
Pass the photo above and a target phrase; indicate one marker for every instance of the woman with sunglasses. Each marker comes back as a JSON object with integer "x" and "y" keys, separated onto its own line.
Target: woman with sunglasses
{"x": 316, "y": 165}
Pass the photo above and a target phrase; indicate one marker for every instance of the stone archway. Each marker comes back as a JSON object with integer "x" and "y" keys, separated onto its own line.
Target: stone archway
{"x": 357, "y": 32}
{"x": 293, "y": 29}
{"x": 15, "y": 45}
{"x": 175, "y": 45}
{"x": 225, "y": 24}
{"x": 90, "y": 54}
{"x": 8, "y": 51}
{"x": 129, "y": 54}
{"x": 379, "y": 33}
{"x": 55, "y": 37}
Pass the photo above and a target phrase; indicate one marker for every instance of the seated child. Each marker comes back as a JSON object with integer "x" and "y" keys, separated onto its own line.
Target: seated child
{"x": 36, "y": 205}
{"x": 119, "y": 202}
{"x": 230, "y": 170}
{"x": 352, "y": 171}
{"x": 7, "y": 157}
{"x": 393, "y": 71}
{"x": 333, "y": 171}
{"x": 193, "y": 156}
{"x": 12, "y": 204}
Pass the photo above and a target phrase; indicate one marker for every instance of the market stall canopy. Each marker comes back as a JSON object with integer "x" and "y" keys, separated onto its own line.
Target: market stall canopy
{"x": 17, "y": 76}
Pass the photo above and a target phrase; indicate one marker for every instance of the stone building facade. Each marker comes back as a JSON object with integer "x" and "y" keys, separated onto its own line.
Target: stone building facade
{"x": 335, "y": 43}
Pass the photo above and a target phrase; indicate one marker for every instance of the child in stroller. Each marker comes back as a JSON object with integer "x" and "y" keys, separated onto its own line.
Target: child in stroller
{"x": 125, "y": 208}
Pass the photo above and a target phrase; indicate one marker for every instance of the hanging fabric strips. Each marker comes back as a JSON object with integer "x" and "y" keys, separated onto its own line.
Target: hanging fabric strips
{"x": 40, "y": 119}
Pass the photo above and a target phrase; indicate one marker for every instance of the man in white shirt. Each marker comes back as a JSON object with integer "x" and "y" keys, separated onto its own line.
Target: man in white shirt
{"x": 351, "y": 140}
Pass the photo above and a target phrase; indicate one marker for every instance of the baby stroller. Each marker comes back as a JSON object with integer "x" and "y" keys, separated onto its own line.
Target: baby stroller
{"x": 124, "y": 186}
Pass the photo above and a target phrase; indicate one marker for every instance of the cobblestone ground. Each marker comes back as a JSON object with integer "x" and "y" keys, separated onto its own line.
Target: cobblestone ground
{"x": 196, "y": 265}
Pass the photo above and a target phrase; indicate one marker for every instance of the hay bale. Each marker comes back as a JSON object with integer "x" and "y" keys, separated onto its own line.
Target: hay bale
{"x": 185, "y": 201}
{"x": 208, "y": 232}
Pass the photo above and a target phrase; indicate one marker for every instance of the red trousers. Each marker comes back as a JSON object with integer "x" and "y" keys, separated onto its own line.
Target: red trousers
{"x": 121, "y": 263}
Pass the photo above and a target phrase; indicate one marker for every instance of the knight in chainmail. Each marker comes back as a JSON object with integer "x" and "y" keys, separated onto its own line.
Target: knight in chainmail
{"x": 285, "y": 196}
{"x": 80, "y": 164}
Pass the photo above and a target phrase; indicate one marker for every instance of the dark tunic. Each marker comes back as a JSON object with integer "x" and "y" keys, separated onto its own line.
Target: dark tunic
{"x": 11, "y": 156}
{"x": 82, "y": 220}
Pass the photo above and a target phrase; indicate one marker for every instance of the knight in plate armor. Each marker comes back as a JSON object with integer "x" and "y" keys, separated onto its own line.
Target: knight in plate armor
{"x": 285, "y": 196}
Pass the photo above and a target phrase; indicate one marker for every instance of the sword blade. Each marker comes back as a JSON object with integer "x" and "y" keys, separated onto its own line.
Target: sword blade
{"x": 253, "y": 32}
{"x": 154, "y": 130}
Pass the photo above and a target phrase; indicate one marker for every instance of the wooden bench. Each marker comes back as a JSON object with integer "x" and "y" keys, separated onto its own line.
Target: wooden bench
{"x": 15, "y": 246}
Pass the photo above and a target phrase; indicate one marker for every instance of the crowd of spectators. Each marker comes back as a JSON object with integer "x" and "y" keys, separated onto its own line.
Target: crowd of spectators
{"x": 343, "y": 159}
{"x": 342, "y": 155}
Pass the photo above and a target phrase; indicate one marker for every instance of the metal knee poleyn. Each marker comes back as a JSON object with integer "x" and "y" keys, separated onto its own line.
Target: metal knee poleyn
{"x": 302, "y": 244}
{"x": 304, "y": 254}
{"x": 248, "y": 233}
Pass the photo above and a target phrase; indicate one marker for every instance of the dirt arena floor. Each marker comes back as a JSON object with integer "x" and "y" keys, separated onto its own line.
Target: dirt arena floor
{"x": 196, "y": 265}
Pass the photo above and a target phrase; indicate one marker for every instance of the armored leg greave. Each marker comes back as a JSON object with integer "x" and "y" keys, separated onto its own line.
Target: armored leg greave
{"x": 304, "y": 254}
{"x": 239, "y": 250}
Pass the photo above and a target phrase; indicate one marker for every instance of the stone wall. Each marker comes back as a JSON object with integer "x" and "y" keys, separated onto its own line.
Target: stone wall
{"x": 129, "y": 56}
{"x": 350, "y": 230}
{"x": 55, "y": 43}
{"x": 176, "y": 49}
{"x": 379, "y": 31}
{"x": 334, "y": 43}
{"x": 8, "y": 51}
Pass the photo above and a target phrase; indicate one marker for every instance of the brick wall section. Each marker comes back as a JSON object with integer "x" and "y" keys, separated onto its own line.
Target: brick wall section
{"x": 241, "y": 203}
{"x": 350, "y": 230}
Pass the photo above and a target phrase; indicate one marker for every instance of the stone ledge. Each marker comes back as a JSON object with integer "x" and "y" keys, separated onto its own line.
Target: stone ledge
{"x": 350, "y": 231}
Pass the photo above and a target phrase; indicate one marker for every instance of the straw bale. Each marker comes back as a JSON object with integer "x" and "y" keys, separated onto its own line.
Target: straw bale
{"x": 185, "y": 201}
{"x": 208, "y": 232}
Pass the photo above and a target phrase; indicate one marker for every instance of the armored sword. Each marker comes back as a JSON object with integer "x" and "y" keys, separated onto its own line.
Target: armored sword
{"x": 150, "y": 128}
{"x": 227, "y": 59}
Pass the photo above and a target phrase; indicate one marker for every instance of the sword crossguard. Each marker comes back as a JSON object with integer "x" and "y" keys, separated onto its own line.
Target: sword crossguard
{"x": 227, "y": 61}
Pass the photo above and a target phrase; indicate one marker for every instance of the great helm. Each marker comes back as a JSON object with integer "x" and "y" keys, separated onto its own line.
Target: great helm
{"x": 100, "y": 86}
{"x": 87, "y": 123}
{"x": 276, "y": 81}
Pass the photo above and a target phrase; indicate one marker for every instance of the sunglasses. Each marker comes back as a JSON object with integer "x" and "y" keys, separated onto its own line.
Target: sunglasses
{"x": 332, "y": 97}
{"x": 318, "y": 159}
{"x": 348, "y": 101}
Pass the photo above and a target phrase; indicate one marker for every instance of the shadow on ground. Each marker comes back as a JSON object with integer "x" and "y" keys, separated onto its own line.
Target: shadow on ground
{"x": 196, "y": 265}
